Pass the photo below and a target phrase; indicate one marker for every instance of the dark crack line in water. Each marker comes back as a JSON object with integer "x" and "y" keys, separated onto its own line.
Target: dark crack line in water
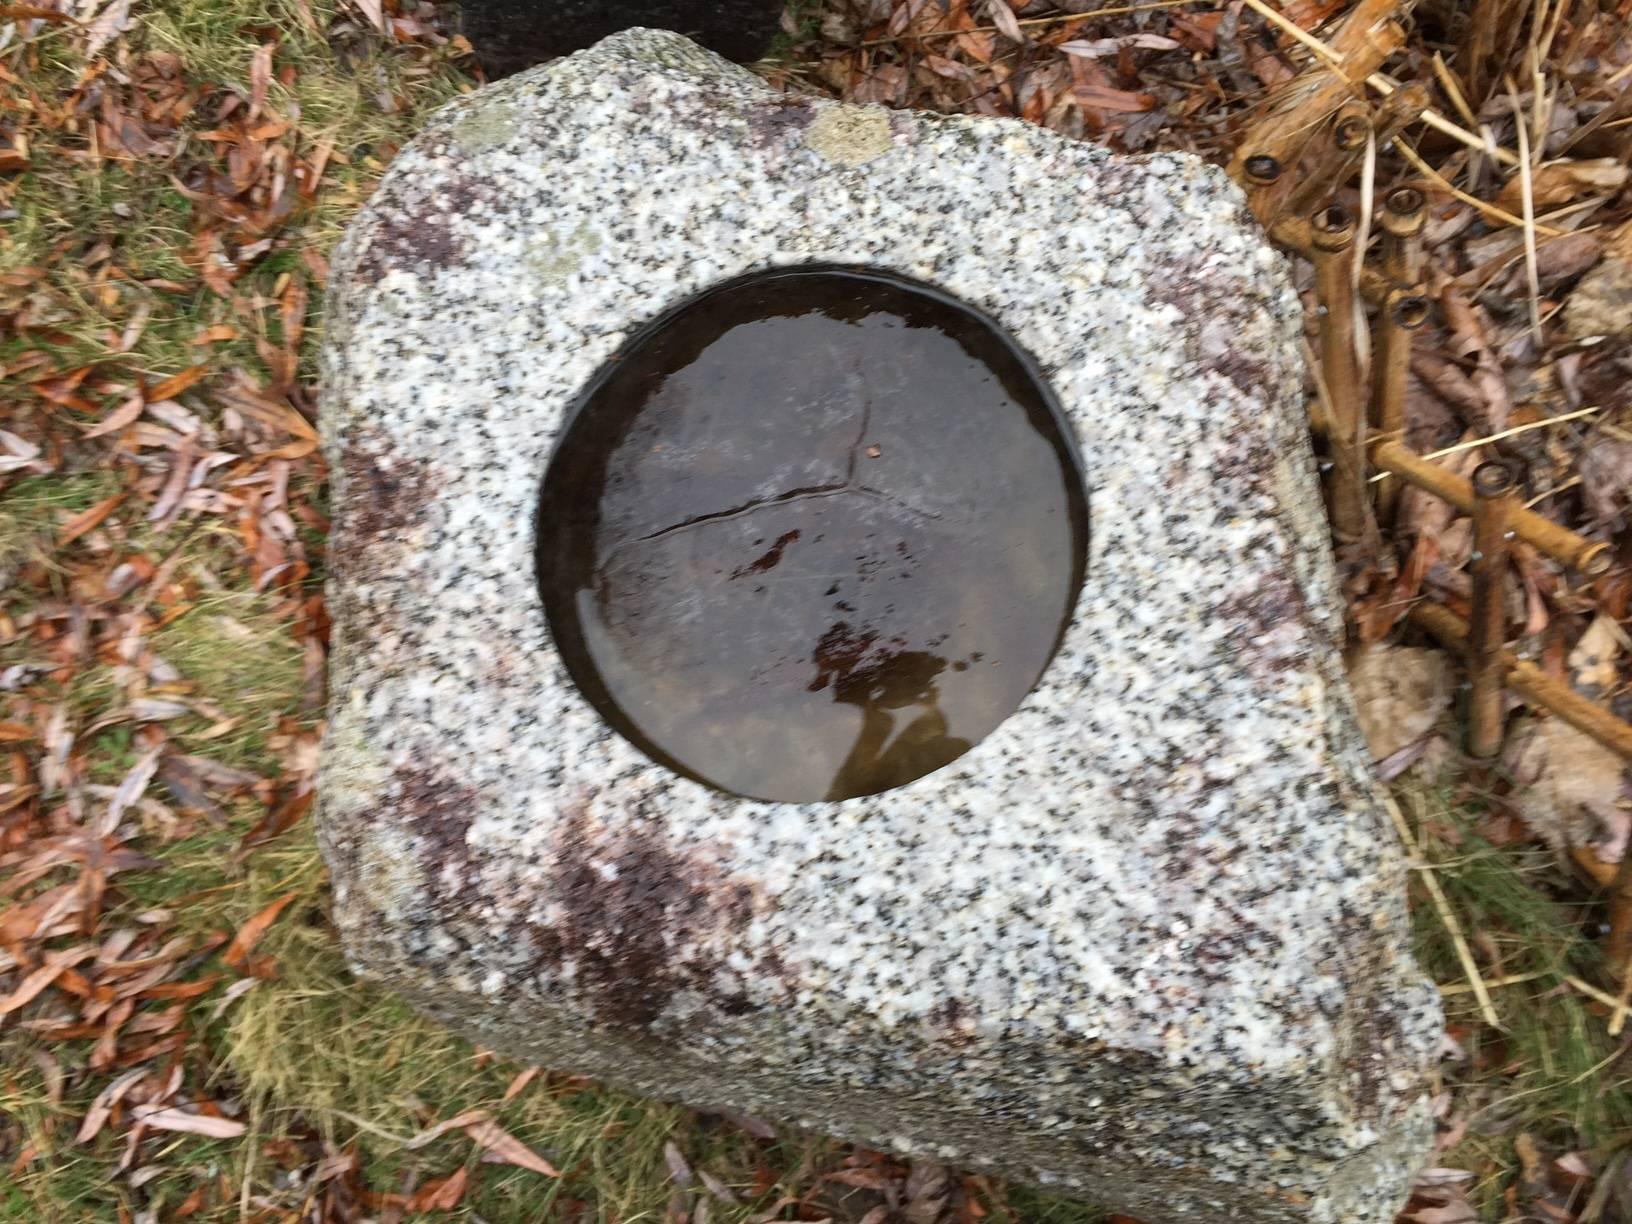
{"x": 714, "y": 516}
{"x": 848, "y": 485}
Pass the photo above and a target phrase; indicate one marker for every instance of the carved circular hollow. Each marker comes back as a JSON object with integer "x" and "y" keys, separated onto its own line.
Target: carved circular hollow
{"x": 1351, "y": 133}
{"x": 1263, "y": 169}
{"x": 812, "y": 534}
{"x": 1405, "y": 201}
{"x": 1411, "y": 312}
{"x": 1493, "y": 478}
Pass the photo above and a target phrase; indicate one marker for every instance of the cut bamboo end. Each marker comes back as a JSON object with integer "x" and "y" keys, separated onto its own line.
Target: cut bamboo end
{"x": 1297, "y": 234}
{"x": 1591, "y": 558}
{"x": 1332, "y": 229}
{"x": 1262, "y": 170}
{"x": 1493, "y": 485}
{"x": 1351, "y": 127}
{"x": 1405, "y": 213}
{"x": 1530, "y": 682}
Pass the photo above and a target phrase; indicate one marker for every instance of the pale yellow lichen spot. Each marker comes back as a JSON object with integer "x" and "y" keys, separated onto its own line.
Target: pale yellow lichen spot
{"x": 486, "y": 123}
{"x": 851, "y": 135}
{"x": 554, "y": 257}
{"x": 388, "y": 876}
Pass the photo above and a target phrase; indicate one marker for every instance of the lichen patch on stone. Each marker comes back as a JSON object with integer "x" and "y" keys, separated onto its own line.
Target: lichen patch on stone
{"x": 851, "y": 135}
{"x": 553, "y": 257}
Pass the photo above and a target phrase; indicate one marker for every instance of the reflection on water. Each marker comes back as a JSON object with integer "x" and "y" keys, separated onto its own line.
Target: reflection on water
{"x": 811, "y": 536}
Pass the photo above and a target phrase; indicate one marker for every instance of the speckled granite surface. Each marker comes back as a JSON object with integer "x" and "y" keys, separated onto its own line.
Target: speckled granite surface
{"x": 1145, "y": 943}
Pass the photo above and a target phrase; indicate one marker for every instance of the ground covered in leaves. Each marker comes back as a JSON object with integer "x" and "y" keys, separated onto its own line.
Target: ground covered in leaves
{"x": 178, "y": 1036}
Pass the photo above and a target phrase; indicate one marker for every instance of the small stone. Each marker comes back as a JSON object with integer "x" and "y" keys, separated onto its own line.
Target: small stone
{"x": 983, "y": 966}
{"x": 1601, "y": 305}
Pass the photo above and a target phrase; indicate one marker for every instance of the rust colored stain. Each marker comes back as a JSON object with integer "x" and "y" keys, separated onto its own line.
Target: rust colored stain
{"x": 420, "y": 236}
{"x": 1260, "y": 609}
{"x": 642, "y": 922}
{"x": 774, "y": 123}
{"x": 384, "y": 497}
{"x": 1201, "y": 303}
{"x": 438, "y": 810}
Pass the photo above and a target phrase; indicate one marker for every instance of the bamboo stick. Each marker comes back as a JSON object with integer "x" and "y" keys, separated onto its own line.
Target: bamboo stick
{"x": 1397, "y": 321}
{"x": 1400, "y": 314}
{"x": 1405, "y": 212}
{"x": 1333, "y": 230}
{"x": 1533, "y": 684}
{"x": 1493, "y": 486}
{"x": 1589, "y": 557}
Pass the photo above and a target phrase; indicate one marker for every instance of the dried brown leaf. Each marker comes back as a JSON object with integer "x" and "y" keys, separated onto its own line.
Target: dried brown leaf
{"x": 119, "y": 418}
{"x": 1400, "y": 693}
{"x": 1562, "y": 182}
{"x": 507, "y": 1148}
{"x": 88, "y": 520}
{"x": 1006, "y": 22}
{"x": 1569, "y": 788}
{"x": 441, "y": 1194}
{"x": 432, "y": 1133}
{"x": 174, "y": 1118}
{"x": 251, "y": 932}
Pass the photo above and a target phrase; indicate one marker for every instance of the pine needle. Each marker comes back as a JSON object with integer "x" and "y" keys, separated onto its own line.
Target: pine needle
{"x": 1442, "y": 907}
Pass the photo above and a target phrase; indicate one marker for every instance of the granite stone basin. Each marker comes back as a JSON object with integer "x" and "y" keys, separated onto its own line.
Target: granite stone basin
{"x": 812, "y": 534}
{"x": 1142, "y": 937}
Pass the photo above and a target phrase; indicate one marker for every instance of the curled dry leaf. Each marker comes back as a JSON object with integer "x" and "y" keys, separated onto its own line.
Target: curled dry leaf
{"x": 1004, "y": 19}
{"x": 102, "y": 1108}
{"x": 1561, "y": 182}
{"x": 1093, "y": 48}
{"x": 1569, "y": 788}
{"x": 507, "y": 1148}
{"x": 173, "y": 1118}
{"x": 1557, "y": 260}
{"x": 432, "y": 1133}
{"x": 679, "y": 1168}
{"x": 441, "y": 1194}
{"x": 1400, "y": 693}
{"x": 250, "y": 933}
{"x": 1601, "y": 305}
{"x": 1592, "y": 661}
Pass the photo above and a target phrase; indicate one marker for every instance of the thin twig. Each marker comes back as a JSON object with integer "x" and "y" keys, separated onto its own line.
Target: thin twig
{"x": 1527, "y": 190}
{"x": 1453, "y": 91}
{"x": 1554, "y": 490}
{"x": 1512, "y": 979}
{"x": 1490, "y": 210}
{"x": 1368, "y": 190}
{"x": 1446, "y": 915}
{"x": 1623, "y": 1005}
{"x": 1592, "y": 992}
{"x": 1508, "y": 433}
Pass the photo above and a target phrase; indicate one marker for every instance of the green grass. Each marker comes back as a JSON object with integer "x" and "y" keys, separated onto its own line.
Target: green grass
{"x": 1551, "y": 1071}
{"x": 33, "y": 510}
